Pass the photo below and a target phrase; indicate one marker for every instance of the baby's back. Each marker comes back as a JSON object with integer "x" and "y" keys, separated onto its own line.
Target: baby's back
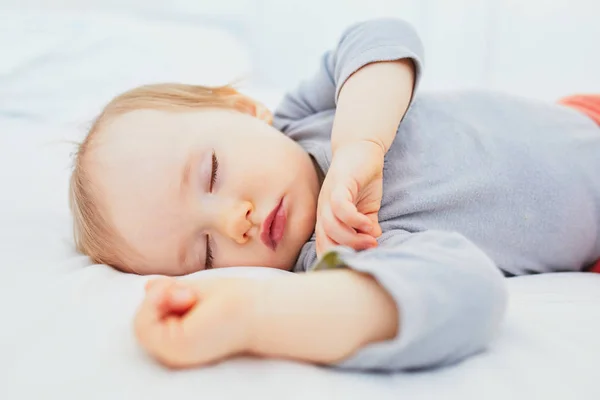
{"x": 517, "y": 177}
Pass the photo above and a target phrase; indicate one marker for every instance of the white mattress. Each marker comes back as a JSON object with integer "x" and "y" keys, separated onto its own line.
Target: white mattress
{"x": 66, "y": 324}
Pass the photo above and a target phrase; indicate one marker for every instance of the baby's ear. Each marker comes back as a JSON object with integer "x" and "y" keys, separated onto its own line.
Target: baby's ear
{"x": 249, "y": 106}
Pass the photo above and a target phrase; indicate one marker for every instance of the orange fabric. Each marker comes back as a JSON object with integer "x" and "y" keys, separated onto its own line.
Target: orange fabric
{"x": 586, "y": 103}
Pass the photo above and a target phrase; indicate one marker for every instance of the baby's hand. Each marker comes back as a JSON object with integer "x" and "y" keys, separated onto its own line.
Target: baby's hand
{"x": 188, "y": 323}
{"x": 350, "y": 198}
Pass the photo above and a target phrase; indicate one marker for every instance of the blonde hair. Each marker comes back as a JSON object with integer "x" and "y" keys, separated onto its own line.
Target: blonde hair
{"x": 94, "y": 236}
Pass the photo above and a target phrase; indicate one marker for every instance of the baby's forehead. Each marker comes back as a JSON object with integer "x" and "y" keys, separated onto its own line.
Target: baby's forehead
{"x": 137, "y": 127}
{"x": 128, "y": 161}
{"x": 133, "y": 140}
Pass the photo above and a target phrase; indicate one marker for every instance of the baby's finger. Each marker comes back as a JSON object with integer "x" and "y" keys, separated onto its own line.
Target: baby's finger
{"x": 180, "y": 299}
{"x": 200, "y": 337}
{"x": 170, "y": 297}
{"x": 162, "y": 336}
{"x": 322, "y": 241}
{"x": 163, "y": 339}
{"x": 374, "y": 218}
{"x": 345, "y": 210}
{"x": 342, "y": 234}
{"x": 147, "y": 319}
{"x": 157, "y": 295}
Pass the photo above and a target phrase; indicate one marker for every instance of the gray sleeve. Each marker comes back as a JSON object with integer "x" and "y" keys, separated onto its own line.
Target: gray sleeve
{"x": 361, "y": 44}
{"x": 450, "y": 298}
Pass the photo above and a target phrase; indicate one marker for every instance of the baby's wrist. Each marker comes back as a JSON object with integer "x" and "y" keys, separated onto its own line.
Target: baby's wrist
{"x": 372, "y": 146}
{"x": 245, "y": 308}
{"x": 262, "y": 307}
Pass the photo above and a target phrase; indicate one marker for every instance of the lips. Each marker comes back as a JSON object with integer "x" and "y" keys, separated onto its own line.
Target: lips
{"x": 273, "y": 227}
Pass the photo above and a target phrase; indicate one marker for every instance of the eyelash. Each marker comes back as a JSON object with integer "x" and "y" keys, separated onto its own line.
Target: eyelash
{"x": 213, "y": 179}
{"x": 209, "y": 257}
{"x": 215, "y": 170}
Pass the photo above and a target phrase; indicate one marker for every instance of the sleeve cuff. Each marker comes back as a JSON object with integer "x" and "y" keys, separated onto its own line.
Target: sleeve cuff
{"x": 377, "y": 54}
{"x": 378, "y": 354}
{"x": 449, "y": 295}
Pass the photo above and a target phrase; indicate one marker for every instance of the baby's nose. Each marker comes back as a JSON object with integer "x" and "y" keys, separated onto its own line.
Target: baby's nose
{"x": 237, "y": 224}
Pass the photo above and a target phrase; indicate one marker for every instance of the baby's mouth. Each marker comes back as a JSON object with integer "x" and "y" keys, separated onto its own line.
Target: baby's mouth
{"x": 274, "y": 226}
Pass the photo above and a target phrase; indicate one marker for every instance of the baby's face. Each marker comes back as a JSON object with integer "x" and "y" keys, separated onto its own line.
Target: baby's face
{"x": 203, "y": 189}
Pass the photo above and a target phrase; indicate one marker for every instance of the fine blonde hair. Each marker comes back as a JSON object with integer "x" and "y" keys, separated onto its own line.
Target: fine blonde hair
{"x": 94, "y": 236}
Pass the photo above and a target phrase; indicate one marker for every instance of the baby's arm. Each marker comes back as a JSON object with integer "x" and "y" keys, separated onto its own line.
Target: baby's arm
{"x": 371, "y": 104}
{"x": 320, "y": 318}
{"x": 388, "y": 96}
{"x": 369, "y": 79}
{"x": 438, "y": 300}
{"x": 421, "y": 300}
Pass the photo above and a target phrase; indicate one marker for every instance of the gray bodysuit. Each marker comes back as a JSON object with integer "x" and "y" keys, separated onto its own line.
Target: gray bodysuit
{"x": 476, "y": 186}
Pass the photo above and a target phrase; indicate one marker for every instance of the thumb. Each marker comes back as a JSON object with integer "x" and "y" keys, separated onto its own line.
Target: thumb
{"x": 180, "y": 299}
{"x": 183, "y": 295}
{"x": 170, "y": 297}
{"x": 376, "y": 231}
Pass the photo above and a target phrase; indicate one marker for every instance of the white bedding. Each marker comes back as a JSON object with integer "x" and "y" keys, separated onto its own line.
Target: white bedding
{"x": 66, "y": 324}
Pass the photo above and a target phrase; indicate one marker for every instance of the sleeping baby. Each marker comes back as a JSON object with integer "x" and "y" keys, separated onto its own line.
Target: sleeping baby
{"x": 404, "y": 211}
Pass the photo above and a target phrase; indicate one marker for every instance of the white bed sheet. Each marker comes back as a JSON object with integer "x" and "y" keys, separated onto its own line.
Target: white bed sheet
{"x": 66, "y": 324}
